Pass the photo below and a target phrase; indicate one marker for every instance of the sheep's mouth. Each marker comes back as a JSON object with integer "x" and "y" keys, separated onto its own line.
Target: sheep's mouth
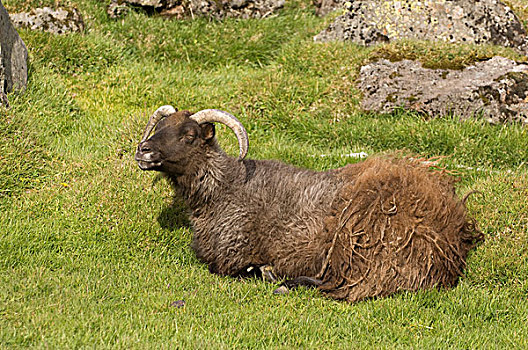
{"x": 148, "y": 165}
{"x": 146, "y": 161}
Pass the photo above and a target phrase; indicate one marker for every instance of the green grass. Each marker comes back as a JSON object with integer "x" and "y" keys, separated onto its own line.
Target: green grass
{"x": 93, "y": 251}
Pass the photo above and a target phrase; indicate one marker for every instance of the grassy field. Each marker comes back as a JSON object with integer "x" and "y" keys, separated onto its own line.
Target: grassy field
{"x": 93, "y": 251}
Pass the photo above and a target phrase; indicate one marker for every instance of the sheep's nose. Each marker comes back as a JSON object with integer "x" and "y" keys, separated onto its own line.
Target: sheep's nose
{"x": 144, "y": 148}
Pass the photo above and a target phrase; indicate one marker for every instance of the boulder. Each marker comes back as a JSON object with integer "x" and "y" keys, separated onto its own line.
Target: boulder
{"x": 13, "y": 58}
{"x": 470, "y": 21}
{"x": 56, "y": 21}
{"x": 3, "y": 95}
{"x": 496, "y": 89}
{"x": 217, "y": 9}
{"x": 116, "y": 9}
{"x": 148, "y": 3}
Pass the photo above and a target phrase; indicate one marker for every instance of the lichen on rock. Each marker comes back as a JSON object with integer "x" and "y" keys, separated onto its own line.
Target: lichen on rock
{"x": 217, "y": 9}
{"x": 56, "y": 21}
{"x": 471, "y": 21}
{"x": 496, "y": 89}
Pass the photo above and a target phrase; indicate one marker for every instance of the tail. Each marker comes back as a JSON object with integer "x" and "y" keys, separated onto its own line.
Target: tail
{"x": 469, "y": 194}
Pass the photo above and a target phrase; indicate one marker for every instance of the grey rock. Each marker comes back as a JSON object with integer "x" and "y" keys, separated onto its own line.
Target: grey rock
{"x": 147, "y": 3}
{"x": 324, "y": 7}
{"x": 238, "y": 4}
{"x": 243, "y": 9}
{"x": 13, "y": 58}
{"x": 57, "y": 21}
{"x": 217, "y": 9}
{"x": 3, "y": 95}
{"x": 471, "y": 21}
{"x": 496, "y": 89}
{"x": 116, "y": 9}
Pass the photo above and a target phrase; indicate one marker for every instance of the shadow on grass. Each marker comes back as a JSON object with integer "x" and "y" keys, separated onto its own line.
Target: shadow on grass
{"x": 175, "y": 216}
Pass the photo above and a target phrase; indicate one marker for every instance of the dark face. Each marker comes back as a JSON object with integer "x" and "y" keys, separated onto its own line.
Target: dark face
{"x": 177, "y": 143}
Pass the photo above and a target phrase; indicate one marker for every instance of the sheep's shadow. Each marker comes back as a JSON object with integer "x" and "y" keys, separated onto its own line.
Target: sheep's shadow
{"x": 174, "y": 216}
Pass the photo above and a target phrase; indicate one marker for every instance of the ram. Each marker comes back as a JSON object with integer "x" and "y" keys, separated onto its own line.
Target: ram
{"x": 365, "y": 230}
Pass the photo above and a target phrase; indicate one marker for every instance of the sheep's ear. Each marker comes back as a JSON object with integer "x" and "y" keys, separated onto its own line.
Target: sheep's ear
{"x": 208, "y": 131}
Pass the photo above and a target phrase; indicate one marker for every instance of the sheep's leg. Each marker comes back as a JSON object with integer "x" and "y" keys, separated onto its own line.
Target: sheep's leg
{"x": 263, "y": 271}
{"x": 301, "y": 281}
{"x": 267, "y": 273}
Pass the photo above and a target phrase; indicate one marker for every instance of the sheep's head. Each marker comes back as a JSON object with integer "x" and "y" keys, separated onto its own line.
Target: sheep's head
{"x": 181, "y": 138}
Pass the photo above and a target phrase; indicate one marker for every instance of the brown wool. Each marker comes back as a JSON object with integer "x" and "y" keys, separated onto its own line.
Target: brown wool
{"x": 395, "y": 225}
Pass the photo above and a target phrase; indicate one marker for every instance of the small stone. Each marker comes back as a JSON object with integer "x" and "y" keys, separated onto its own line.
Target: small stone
{"x": 178, "y": 304}
{"x": 281, "y": 290}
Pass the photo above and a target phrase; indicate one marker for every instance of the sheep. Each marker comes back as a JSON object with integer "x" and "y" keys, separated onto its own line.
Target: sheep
{"x": 366, "y": 230}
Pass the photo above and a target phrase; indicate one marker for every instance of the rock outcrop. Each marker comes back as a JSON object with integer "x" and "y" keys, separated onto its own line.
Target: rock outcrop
{"x": 3, "y": 95}
{"x": 217, "y": 9}
{"x": 470, "y": 21}
{"x": 496, "y": 90}
{"x": 13, "y": 58}
{"x": 56, "y": 21}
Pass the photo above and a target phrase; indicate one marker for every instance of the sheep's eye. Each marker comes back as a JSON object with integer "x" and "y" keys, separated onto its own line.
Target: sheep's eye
{"x": 188, "y": 138}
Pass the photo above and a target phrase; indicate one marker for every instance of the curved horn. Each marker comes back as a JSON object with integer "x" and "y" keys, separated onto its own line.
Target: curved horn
{"x": 159, "y": 114}
{"x": 215, "y": 115}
